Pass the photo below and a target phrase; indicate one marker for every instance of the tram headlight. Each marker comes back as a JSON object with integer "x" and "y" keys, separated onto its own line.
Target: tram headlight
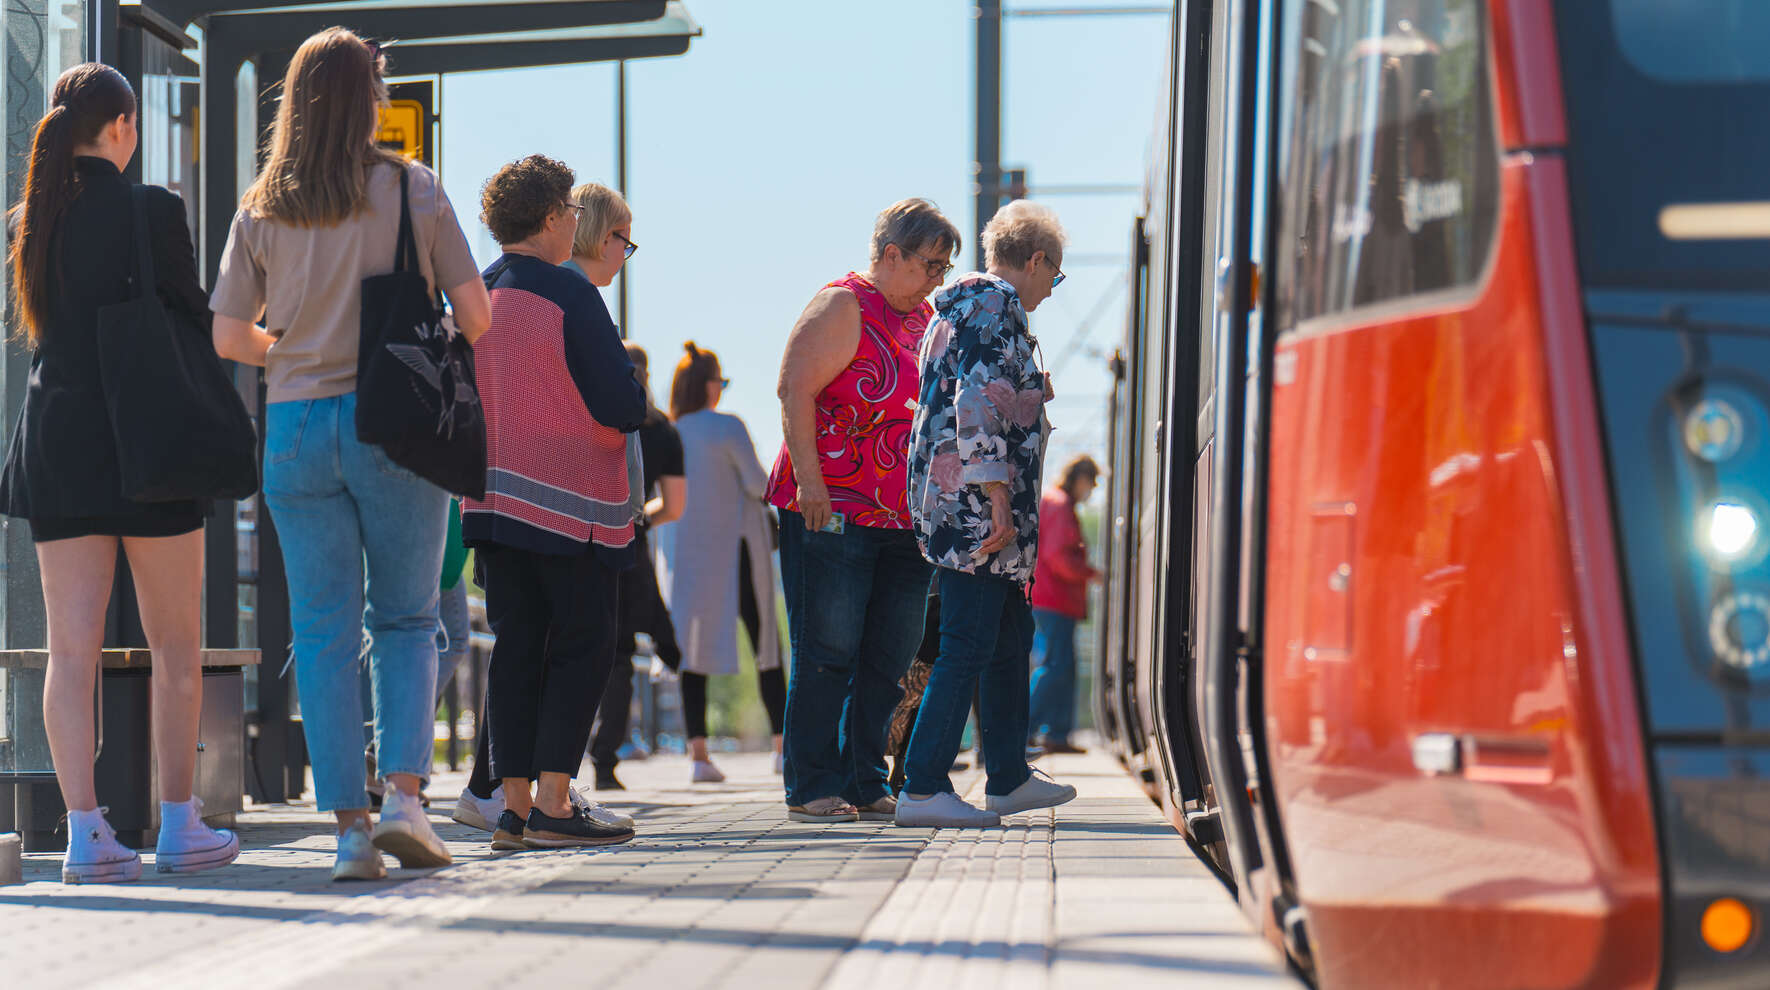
{"x": 1714, "y": 430}
{"x": 1729, "y": 530}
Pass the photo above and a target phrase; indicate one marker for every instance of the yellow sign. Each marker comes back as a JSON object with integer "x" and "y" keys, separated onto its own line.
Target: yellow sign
{"x": 402, "y": 128}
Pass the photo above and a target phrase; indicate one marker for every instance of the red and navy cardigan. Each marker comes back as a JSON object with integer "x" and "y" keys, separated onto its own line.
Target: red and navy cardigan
{"x": 559, "y": 394}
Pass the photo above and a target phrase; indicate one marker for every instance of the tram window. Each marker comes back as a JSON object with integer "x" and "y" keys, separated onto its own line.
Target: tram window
{"x": 1389, "y": 165}
{"x": 1671, "y": 194}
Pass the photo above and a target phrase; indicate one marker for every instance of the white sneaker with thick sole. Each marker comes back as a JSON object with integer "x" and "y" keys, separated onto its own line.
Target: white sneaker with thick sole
{"x": 706, "y": 773}
{"x": 187, "y": 844}
{"x": 1039, "y": 791}
{"x": 358, "y": 859}
{"x": 404, "y": 831}
{"x": 943, "y": 810}
{"x": 94, "y": 855}
{"x": 597, "y": 813}
{"x": 477, "y": 812}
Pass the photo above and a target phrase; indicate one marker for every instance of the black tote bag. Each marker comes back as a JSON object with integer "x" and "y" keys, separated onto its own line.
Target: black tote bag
{"x": 181, "y": 429}
{"x": 415, "y": 392}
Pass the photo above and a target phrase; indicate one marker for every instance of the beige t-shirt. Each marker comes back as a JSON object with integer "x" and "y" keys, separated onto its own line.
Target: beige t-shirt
{"x": 307, "y": 281}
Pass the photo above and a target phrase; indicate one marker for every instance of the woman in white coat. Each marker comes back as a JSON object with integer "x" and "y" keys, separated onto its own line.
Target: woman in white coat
{"x": 716, "y": 563}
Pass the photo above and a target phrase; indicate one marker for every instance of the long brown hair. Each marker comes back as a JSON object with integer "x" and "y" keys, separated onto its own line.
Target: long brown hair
{"x": 688, "y": 390}
{"x": 322, "y": 146}
{"x": 85, "y": 99}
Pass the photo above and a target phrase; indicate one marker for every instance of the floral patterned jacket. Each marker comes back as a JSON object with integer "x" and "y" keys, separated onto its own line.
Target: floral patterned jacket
{"x": 980, "y": 417}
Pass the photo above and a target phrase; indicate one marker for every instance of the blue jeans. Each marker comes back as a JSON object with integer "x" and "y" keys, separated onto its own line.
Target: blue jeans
{"x": 986, "y": 631}
{"x": 1054, "y": 683}
{"x": 355, "y": 528}
{"x": 855, "y": 602}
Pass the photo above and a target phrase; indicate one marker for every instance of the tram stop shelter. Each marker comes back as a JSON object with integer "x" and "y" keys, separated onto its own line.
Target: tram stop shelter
{"x": 204, "y": 73}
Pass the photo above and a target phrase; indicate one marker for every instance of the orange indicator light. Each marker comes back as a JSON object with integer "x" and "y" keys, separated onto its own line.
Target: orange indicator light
{"x": 1727, "y": 925}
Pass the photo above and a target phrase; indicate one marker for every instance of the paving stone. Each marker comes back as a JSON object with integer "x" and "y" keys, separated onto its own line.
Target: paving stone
{"x": 718, "y": 891}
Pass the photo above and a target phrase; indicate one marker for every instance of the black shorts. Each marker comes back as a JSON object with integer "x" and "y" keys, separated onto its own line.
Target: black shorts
{"x": 151, "y": 520}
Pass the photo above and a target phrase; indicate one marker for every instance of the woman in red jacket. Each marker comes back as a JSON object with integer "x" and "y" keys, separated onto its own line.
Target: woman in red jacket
{"x": 1060, "y": 600}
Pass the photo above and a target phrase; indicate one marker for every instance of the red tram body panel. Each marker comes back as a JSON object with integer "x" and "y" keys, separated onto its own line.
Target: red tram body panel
{"x": 1438, "y": 601}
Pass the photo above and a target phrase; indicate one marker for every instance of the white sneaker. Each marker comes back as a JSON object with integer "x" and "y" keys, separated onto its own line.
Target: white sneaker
{"x": 358, "y": 859}
{"x": 706, "y": 773}
{"x": 1039, "y": 791}
{"x": 478, "y": 812}
{"x": 780, "y": 763}
{"x": 94, "y": 855}
{"x": 943, "y": 810}
{"x": 597, "y": 813}
{"x": 187, "y": 844}
{"x": 405, "y": 832}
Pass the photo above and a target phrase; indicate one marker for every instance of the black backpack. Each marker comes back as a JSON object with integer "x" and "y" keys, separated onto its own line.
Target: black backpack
{"x": 415, "y": 392}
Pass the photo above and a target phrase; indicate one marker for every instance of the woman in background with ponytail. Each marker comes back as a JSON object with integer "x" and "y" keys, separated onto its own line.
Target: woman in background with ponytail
{"x": 72, "y": 255}
{"x": 716, "y": 561}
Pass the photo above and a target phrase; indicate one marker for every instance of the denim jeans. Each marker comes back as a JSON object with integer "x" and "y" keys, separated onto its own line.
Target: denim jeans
{"x": 355, "y": 529}
{"x": 985, "y": 632}
{"x": 855, "y": 602}
{"x": 1054, "y": 682}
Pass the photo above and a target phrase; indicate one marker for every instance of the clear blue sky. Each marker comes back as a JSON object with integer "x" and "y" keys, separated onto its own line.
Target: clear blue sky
{"x": 758, "y": 160}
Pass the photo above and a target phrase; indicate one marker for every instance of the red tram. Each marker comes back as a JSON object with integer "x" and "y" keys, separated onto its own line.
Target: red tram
{"x": 1438, "y": 596}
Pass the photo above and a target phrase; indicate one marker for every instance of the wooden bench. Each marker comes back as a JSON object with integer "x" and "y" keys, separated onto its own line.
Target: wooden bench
{"x": 30, "y": 803}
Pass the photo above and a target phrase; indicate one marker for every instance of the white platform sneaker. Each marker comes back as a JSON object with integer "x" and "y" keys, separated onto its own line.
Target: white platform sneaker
{"x": 404, "y": 831}
{"x": 943, "y": 810}
{"x": 1039, "y": 791}
{"x": 187, "y": 844}
{"x": 94, "y": 855}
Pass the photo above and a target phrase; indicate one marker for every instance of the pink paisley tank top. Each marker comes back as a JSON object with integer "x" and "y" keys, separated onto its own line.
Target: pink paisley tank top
{"x": 863, "y": 418}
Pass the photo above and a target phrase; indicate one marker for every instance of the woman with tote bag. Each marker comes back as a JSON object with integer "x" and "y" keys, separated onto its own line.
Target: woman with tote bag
{"x": 323, "y": 215}
{"x": 75, "y": 264}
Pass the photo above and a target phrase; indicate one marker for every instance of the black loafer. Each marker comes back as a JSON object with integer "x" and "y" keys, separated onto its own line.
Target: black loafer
{"x": 508, "y": 834}
{"x": 578, "y": 829}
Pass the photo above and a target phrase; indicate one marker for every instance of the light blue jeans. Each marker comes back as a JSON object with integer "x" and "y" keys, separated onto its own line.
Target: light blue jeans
{"x": 355, "y": 527}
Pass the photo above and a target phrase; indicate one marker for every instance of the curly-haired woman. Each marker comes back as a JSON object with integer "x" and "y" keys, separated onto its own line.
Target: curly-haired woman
{"x": 555, "y": 528}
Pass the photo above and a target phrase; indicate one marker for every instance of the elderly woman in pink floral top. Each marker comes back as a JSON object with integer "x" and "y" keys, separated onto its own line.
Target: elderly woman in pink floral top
{"x": 856, "y": 584}
{"x": 976, "y": 455}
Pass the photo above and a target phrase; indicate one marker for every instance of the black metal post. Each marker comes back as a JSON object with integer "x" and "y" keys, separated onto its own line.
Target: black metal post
{"x": 621, "y": 179}
{"x": 988, "y": 165}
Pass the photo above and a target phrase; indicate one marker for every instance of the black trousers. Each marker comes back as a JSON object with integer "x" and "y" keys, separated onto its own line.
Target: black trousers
{"x": 554, "y": 619}
{"x": 641, "y": 610}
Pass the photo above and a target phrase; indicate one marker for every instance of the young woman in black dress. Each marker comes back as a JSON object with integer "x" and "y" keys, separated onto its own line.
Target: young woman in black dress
{"x": 71, "y": 256}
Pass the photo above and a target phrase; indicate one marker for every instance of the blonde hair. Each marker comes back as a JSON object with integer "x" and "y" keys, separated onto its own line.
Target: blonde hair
{"x": 604, "y": 212}
{"x": 1018, "y": 231}
{"x": 322, "y": 146}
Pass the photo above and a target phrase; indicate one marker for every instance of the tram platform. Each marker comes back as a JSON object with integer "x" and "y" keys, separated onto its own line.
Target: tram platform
{"x": 718, "y": 890}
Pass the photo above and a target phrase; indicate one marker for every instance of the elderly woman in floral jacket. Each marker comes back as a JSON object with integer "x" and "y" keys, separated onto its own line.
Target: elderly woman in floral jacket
{"x": 976, "y": 453}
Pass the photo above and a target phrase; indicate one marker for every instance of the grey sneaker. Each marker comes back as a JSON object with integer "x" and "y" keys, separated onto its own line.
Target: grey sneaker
{"x": 597, "y": 813}
{"x": 358, "y": 859}
{"x": 943, "y": 810}
{"x": 1039, "y": 791}
{"x": 405, "y": 832}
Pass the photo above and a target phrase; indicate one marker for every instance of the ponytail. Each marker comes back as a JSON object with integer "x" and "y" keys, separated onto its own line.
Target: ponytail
{"x": 85, "y": 99}
{"x": 688, "y": 390}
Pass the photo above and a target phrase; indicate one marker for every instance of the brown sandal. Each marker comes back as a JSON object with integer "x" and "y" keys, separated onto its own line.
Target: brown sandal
{"x": 823, "y": 811}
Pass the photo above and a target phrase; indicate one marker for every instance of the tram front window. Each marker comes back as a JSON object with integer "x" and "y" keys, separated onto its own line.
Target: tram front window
{"x": 1670, "y": 194}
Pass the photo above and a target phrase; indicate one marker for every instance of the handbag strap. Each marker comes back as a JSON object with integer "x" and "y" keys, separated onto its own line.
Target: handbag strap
{"x": 405, "y": 252}
{"x": 144, "y": 252}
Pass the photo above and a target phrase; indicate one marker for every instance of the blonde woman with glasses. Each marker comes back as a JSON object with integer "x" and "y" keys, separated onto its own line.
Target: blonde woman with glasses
{"x": 356, "y": 528}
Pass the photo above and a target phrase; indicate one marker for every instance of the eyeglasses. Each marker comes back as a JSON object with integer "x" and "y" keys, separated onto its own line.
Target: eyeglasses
{"x": 575, "y": 208}
{"x": 1056, "y": 280}
{"x": 626, "y": 252}
{"x": 935, "y": 267}
{"x": 724, "y": 383}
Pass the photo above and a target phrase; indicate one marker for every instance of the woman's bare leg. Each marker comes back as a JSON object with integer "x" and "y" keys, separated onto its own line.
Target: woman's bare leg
{"x": 169, "y": 589}
{"x": 76, "y": 576}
